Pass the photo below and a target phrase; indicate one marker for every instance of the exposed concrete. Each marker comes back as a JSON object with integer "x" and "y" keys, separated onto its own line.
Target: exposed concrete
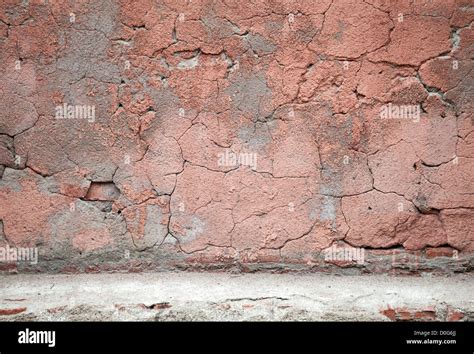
{"x": 220, "y": 296}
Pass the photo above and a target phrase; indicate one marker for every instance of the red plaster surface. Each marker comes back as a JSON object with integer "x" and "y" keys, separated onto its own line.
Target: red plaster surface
{"x": 233, "y": 134}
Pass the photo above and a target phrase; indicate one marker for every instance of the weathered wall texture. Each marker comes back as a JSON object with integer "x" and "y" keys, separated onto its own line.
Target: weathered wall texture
{"x": 229, "y": 134}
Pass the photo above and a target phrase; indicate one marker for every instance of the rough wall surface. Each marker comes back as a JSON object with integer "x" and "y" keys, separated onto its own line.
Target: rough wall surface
{"x": 228, "y": 134}
{"x": 211, "y": 296}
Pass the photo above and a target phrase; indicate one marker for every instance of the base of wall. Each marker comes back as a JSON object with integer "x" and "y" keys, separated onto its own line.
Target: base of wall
{"x": 190, "y": 296}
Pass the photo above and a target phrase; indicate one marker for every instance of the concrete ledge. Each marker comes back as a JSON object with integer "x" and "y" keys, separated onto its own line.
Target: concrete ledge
{"x": 224, "y": 296}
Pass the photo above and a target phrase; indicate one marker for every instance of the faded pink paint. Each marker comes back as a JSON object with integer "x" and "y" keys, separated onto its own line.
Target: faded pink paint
{"x": 228, "y": 134}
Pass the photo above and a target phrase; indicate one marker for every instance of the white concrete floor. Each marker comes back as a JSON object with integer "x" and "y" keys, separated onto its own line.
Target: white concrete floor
{"x": 223, "y": 296}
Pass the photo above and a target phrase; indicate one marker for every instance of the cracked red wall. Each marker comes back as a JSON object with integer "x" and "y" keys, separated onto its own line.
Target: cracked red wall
{"x": 297, "y": 87}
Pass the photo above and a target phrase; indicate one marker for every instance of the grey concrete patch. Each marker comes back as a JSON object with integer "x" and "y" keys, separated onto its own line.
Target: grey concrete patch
{"x": 259, "y": 44}
{"x": 224, "y": 296}
{"x": 250, "y": 94}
